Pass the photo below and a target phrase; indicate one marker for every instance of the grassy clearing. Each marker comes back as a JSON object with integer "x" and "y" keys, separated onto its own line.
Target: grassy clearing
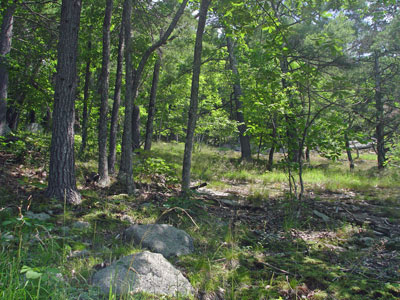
{"x": 221, "y": 168}
{"x": 280, "y": 250}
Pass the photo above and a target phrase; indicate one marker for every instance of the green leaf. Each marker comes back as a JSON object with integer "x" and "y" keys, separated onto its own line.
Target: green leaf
{"x": 33, "y": 274}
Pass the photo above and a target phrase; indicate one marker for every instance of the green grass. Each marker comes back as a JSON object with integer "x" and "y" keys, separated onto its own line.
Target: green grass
{"x": 222, "y": 168}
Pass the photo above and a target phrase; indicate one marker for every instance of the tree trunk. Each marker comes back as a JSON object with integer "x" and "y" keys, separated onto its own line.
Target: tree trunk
{"x": 62, "y": 182}
{"x": 104, "y": 85}
{"x": 85, "y": 115}
{"x": 115, "y": 111}
{"x": 273, "y": 145}
{"x": 379, "y": 129}
{"x": 194, "y": 97}
{"x": 271, "y": 153}
{"x": 125, "y": 171}
{"x": 5, "y": 48}
{"x": 348, "y": 151}
{"x": 152, "y": 104}
{"x": 237, "y": 92}
{"x": 136, "y": 127}
{"x": 308, "y": 155}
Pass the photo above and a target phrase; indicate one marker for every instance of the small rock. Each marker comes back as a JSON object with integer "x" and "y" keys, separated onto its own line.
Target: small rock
{"x": 366, "y": 241}
{"x": 34, "y": 127}
{"x": 81, "y": 225}
{"x": 79, "y": 253}
{"x": 128, "y": 219}
{"x": 161, "y": 238}
{"x": 39, "y": 216}
{"x": 321, "y": 215}
{"x": 393, "y": 244}
{"x": 142, "y": 272}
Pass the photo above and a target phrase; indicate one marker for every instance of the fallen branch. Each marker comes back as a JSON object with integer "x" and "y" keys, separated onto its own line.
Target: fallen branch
{"x": 196, "y": 187}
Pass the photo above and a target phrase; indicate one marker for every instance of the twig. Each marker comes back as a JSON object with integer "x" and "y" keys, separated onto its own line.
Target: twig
{"x": 180, "y": 208}
{"x": 276, "y": 268}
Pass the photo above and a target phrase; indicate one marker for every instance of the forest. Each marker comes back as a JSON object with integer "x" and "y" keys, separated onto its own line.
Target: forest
{"x": 200, "y": 149}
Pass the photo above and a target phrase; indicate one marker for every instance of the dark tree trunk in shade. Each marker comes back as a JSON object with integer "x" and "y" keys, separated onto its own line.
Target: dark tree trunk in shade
{"x": 62, "y": 182}
{"x": 112, "y": 156}
{"x": 125, "y": 171}
{"x": 47, "y": 120}
{"x": 132, "y": 85}
{"x": 237, "y": 93}
{"x": 136, "y": 127}
{"x": 104, "y": 85}
{"x": 194, "y": 96}
{"x": 85, "y": 115}
{"x": 12, "y": 117}
{"x": 379, "y": 107}
{"x": 271, "y": 153}
{"x": 308, "y": 155}
{"x": 270, "y": 163}
{"x": 348, "y": 151}
{"x": 152, "y": 104}
{"x": 5, "y": 48}
{"x": 13, "y": 111}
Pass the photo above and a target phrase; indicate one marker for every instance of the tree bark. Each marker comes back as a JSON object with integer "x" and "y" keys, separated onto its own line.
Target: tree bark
{"x": 237, "y": 93}
{"x": 194, "y": 97}
{"x": 125, "y": 171}
{"x": 380, "y": 126}
{"x": 348, "y": 152}
{"x": 117, "y": 100}
{"x": 5, "y": 48}
{"x": 104, "y": 85}
{"x": 85, "y": 115}
{"x": 136, "y": 127}
{"x": 62, "y": 182}
{"x": 152, "y": 104}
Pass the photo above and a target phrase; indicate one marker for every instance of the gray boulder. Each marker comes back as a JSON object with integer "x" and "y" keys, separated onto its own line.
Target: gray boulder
{"x": 161, "y": 238}
{"x": 34, "y": 127}
{"x": 142, "y": 272}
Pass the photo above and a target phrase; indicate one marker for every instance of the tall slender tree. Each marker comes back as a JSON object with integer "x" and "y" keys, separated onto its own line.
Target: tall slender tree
{"x": 194, "y": 96}
{"x": 5, "y": 47}
{"x": 125, "y": 171}
{"x": 152, "y": 103}
{"x": 237, "y": 93}
{"x": 62, "y": 182}
{"x": 104, "y": 85}
{"x": 112, "y": 155}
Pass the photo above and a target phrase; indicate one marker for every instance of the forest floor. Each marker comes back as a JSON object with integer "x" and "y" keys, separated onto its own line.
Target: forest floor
{"x": 252, "y": 240}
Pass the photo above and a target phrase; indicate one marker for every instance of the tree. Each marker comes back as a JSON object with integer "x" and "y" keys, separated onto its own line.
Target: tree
{"x": 5, "y": 47}
{"x": 194, "y": 96}
{"x": 116, "y": 104}
{"x": 237, "y": 93}
{"x": 62, "y": 182}
{"x": 152, "y": 103}
{"x": 104, "y": 85}
{"x": 125, "y": 171}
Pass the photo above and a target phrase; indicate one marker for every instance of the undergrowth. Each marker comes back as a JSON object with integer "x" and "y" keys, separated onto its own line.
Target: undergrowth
{"x": 281, "y": 252}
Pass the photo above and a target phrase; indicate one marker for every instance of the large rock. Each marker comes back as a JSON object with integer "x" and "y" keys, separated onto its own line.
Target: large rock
{"x": 142, "y": 272}
{"x": 161, "y": 238}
